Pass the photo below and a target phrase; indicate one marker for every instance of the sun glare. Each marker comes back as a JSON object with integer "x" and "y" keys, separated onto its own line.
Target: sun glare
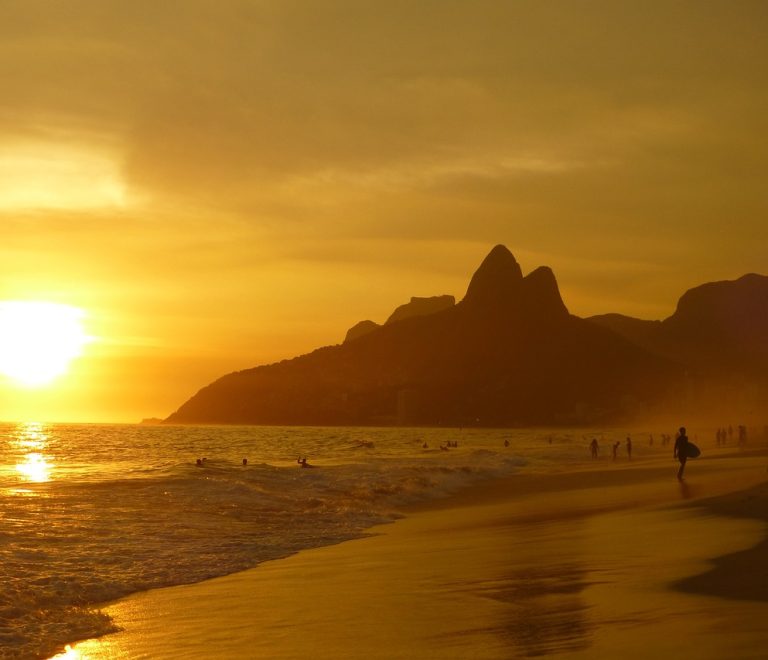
{"x": 34, "y": 468}
{"x": 38, "y": 340}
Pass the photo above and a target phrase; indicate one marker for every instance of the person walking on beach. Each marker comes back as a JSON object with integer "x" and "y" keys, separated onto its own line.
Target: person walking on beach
{"x": 615, "y": 449}
{"x": 680, "y": 451}
{"x": 629, "y": 447}
{"x": 594, "y": 447}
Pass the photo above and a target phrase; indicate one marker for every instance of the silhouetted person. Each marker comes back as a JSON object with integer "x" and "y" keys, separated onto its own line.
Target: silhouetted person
{"x": 424, "y": 446}
{"x": 199, "y": 462}
{"x": 629, "y": 447}
{"x": 506, "y": 443}
{"x": 245, "y": 461}
{"x": 680, "y": 451}
{"x": 615, "y": 449}
{"x": 303, "y": 463}
{"x": 594, "y": 447}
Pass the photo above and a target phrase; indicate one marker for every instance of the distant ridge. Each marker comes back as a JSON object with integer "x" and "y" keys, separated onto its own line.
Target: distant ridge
{"x": 360, "y": 330}
{"x": 416, "y": 307}
{"x": 421, "y": 307}
{"x": 509, "y": 353}
{"x": 718, "y": 329}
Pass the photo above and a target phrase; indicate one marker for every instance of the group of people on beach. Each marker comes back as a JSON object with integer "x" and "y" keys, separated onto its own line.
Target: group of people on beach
{"x": 594, "y": 448}
{"x": 680, "y": 451}
{"x": 724, "y": 436}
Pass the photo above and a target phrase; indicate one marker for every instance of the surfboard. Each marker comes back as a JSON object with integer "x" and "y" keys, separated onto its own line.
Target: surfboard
{"x": 692, "y": 450}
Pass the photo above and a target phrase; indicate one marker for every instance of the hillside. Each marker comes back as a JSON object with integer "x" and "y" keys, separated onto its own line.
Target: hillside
{"x": 509, "y": 353}
{"x": 718, "y": 328}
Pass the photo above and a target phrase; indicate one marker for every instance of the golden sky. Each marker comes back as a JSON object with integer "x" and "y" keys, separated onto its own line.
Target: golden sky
{"x": 220, "y": 184}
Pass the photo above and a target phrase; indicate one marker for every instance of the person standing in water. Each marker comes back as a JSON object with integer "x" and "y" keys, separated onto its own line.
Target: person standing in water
{"x": 681, "y": 451}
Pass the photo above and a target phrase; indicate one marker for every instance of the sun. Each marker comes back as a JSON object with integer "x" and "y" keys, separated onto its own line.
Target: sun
{"x": 38, "y": 340}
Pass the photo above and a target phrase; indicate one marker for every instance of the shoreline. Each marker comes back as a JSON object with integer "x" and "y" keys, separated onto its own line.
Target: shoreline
{"x": 733, "y": 576}
{"x": 479, "y": 551}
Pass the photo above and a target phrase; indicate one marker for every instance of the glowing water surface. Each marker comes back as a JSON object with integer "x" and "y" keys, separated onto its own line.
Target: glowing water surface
{"x": 90, "y": 513}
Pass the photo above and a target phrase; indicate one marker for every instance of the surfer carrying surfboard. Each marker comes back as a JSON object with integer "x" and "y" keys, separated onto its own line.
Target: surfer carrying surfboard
{"x": 681, "y": 451}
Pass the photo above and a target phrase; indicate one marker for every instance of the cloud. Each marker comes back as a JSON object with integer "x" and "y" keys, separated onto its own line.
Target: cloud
{"x": 222, "y": 102}
{"x": 47, "y": 175}
{"x": 243, "y": 159}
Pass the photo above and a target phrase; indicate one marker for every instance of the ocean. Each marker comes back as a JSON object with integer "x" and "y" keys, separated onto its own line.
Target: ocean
{"x": 91, "y": 513}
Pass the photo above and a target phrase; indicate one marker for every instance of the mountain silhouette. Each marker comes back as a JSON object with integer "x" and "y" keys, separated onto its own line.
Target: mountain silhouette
{"x": 719, "y": 329}
{"x": 421, "y": 307}
{"x": 509, "y": 353}
{"x": 416, "y": 307}
{"x": 360, "y": 329}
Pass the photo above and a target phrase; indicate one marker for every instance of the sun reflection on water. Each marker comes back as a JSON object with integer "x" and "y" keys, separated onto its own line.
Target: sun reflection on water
{"x": 31, "y": 435}
{"x": 34, "y": 468}
{"x": 70, "y": 654}
{"x": 32, "y": 464}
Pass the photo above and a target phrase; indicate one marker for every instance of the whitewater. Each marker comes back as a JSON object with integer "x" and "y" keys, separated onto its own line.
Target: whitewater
{"x": 91, "y": 513}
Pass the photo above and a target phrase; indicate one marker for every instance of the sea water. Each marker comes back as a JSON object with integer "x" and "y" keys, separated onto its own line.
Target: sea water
{"x": 90, "y": 513}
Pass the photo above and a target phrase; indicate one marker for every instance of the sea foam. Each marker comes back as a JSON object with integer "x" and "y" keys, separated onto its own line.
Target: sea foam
{"x": 111, "y": 510}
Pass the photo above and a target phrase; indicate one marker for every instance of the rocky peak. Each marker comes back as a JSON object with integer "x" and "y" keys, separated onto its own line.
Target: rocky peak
{"x": 542, "y": 295}
{"x": 727, "y": 301}
{"x": 498, "y": 279}
{"x": 421, "y": 307}
{"x": 417, "y": 307}
{"x": 360, "y": 330}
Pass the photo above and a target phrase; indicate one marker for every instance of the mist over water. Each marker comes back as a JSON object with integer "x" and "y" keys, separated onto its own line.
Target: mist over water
{"x": 91, "y": 513}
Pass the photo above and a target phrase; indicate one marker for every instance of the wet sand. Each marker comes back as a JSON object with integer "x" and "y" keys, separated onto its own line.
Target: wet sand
{"x": 741, "y": 575}
{"x": 607, "y": 561}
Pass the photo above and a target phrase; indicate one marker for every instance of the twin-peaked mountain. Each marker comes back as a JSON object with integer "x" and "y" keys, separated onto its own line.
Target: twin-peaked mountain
{"x": 509, "y": 353}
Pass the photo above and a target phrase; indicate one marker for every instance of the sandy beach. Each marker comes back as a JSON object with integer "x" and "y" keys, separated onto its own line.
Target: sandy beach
{"x": 610, "y": 560}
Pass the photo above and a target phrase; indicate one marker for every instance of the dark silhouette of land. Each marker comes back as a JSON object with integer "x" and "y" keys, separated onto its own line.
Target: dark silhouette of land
{"x": 417, "y": 307}
{"x": 717, "y": 329}
{"x": 508, "y": 354}
{"x": 719, "y": 335}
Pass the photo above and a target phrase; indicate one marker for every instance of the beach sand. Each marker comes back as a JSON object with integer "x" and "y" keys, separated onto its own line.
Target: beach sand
{"x": 611, "y": 561}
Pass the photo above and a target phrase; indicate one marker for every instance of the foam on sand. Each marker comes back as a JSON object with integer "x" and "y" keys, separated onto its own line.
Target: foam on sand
{"x": 578, "y": 564}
